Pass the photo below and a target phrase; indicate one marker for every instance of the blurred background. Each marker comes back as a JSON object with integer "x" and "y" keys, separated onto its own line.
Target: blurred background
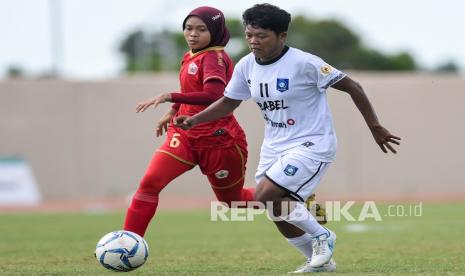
{"x": 71, "y": 73}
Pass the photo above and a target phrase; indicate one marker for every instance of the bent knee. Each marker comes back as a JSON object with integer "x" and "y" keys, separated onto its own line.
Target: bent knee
{"x": 267, "y": 191}
{"x": 153, "y": 183}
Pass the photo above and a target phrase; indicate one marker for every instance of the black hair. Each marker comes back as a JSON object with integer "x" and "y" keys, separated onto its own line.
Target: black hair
{"x": 267, "y": 16}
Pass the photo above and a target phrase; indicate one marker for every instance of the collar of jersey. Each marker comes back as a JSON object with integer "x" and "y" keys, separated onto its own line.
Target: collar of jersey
{"x": 214, "y": 48}
{"x": 283, "y": 52}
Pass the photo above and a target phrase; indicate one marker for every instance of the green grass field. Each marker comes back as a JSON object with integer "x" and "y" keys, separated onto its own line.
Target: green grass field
{"x": 188, "y": 243}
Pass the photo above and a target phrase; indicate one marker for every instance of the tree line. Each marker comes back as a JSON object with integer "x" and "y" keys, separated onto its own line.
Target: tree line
{"x": 329, "y": 39}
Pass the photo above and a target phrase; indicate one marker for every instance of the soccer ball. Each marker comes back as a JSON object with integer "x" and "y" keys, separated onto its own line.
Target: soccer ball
{"x": 122, "y": 251}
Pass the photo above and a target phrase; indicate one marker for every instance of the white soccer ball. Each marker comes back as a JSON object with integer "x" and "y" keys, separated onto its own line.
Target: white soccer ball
{"x": 122, "y": 251}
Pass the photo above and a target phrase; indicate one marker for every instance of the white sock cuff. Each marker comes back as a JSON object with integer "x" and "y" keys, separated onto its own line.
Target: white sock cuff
{"x": 298, "y": 241}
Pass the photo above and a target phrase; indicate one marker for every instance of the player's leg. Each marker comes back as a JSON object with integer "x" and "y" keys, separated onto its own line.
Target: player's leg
{"x": 161, "y": 171}
{"x": 295, "y": 236}
{"x": 298, "y": 226}
{"x": 296, "y": 175}
{"x": 170, "y": 161}
{"x": 225, "y": 169}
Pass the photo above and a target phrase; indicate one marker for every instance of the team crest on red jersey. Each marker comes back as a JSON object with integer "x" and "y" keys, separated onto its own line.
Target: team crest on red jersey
{"x": 192, "y": 69}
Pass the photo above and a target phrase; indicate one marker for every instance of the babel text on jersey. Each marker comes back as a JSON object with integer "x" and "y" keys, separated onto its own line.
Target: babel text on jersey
{"x": 272, "y": 105}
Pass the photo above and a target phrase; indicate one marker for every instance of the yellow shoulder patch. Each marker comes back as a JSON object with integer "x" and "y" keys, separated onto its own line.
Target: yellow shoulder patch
{"x": 326, "y": 69}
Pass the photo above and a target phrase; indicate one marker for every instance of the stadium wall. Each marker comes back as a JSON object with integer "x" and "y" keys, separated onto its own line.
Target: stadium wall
{"x": 84, "y": 139}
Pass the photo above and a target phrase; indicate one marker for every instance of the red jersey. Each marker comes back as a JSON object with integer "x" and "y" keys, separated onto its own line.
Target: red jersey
{"x": 196, "y": 70}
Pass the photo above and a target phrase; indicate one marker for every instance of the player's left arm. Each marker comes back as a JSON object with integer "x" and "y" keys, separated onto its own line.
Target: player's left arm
{"x": 217, "y": 110}
{"x": 381, "y": 135}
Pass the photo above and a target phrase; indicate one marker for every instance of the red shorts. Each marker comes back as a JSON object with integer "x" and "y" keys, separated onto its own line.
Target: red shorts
{"x": 224, "y": 164}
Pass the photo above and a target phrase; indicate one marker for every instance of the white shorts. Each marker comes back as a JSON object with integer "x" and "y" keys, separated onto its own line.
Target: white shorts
{"x": 293, "y": 171}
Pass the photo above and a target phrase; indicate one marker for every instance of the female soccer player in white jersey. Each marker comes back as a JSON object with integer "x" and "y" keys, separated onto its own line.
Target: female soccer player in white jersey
{"x": 289, "y": 86}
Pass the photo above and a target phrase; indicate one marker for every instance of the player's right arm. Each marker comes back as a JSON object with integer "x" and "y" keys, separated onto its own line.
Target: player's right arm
{"x": 162, "y": 124}
{"x": 217, "y": 110}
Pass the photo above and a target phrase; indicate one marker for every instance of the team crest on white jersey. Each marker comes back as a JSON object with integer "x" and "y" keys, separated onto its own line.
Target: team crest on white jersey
{"x": 192, "y": 69}
{"x": 222, "y": 174}
{"x": 282, "y": 85}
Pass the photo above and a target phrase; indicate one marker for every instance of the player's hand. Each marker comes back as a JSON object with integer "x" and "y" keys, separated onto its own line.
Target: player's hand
{"x": 164, "y": 121}
{"x": 184, "y": 122}
{"x": 155, "y": 101}
{"x": 384, "y": 138}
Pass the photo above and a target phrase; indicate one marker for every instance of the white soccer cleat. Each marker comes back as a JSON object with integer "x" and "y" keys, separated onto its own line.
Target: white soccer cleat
{"x": 328, "y": 267}
{"x": 323, "y": 246}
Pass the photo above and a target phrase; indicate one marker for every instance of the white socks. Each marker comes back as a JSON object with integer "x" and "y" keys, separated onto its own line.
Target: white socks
{"x": 303, "y": 244}
{"x": 303, "y": 219}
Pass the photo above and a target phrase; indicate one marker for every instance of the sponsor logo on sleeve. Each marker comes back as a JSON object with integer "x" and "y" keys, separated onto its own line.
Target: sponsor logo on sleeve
{"x": 220, "y": 59}
{"x": 326, "y": 69}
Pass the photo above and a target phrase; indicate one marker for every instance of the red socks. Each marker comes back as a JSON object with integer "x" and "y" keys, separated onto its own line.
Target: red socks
{"x": 161, "y": 171}
{"x": 140, "y": 213}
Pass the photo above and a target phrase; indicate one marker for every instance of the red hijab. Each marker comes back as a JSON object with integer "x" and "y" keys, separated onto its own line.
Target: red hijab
{"x": 214, "y": 19}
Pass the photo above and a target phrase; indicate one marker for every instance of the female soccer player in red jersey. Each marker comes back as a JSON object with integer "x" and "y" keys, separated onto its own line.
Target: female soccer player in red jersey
{"x": 219, "y": 147}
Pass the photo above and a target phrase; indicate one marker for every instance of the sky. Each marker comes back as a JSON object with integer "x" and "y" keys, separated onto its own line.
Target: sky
{"x": 433, "y": 31}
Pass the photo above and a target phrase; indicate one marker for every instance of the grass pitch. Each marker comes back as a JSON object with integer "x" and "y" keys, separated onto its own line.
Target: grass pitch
{"x": 188, "y": 243}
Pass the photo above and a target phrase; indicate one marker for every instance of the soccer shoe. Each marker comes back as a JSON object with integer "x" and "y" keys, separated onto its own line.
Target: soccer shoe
{"x": 329, "y": 267}
{"x": 316, "y": 209}
{"x": 323, "y": 246}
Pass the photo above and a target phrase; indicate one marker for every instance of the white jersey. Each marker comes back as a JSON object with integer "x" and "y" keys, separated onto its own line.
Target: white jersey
{"x": 291, "y": 93}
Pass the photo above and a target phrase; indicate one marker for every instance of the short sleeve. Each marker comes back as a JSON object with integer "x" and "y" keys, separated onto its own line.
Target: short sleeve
{"x": 214, "y": 67}
{"x": 238, "y": 88}
{"x": 322, "y": 74}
